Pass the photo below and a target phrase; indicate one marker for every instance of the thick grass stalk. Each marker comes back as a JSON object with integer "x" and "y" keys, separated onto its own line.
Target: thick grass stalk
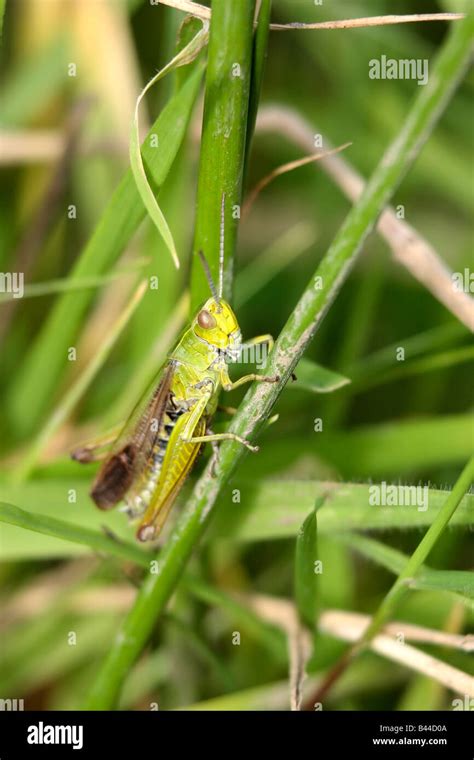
{"x": 223, "y": 140}
{"x": 292, "y": 342}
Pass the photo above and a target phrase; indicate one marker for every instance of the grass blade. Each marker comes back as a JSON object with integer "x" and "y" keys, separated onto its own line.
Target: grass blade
{"x": 276, "y": 509}
{"x": 306, "y": 574}
{"x": 66, "y": 531}
{"x": 408, "y": 446}
{"x": 317, "y": 379}
{"x": 185, "y": 56}
{"x": 430, "y": 363}
{"x": 456, "y": 581}
{"x": 422, "y": 551}
{"x": 32, "y": 393}
{"x": 65, "y": 285}
{"x": 415, "y": 345}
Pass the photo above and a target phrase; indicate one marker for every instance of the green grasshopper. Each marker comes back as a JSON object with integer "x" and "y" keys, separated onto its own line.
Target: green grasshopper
{"x": 147, "y": 463}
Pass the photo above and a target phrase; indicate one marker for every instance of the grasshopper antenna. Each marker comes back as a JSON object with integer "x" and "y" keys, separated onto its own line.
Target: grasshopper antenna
{"x": 221, "y": 249}
{"x": 209, "y": 279}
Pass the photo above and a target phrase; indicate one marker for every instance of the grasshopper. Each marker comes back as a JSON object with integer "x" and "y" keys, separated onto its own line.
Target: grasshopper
{"x": 146, "y": 464}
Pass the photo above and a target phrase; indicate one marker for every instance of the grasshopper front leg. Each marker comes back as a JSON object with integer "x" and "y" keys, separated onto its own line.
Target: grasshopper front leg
{"x": 259, "y": 339}
{"x": 228, "y": 385}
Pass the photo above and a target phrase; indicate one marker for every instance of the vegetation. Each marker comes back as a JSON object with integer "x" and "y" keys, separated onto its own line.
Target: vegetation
{"x": 356, "y": 512}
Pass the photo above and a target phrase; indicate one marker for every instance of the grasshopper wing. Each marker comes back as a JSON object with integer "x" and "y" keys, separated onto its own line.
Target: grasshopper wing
{"x": 132, "y": 449}
{"x": 179, "y": 459}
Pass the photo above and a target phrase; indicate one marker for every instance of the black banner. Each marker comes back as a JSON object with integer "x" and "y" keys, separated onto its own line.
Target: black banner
{"x": 124, "y": 734}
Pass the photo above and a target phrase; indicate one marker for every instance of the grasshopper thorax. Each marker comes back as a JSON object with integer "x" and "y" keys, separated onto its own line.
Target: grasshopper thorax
{"x": 216, "y": 324}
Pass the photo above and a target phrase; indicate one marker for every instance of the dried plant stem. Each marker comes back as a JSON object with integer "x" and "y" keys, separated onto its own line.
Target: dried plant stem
{"x": 341, "y": 622}
{"x": 349, "y": 626}
{"x": 283, "y": 169}
{"x": 409, "y": 248}
{"x": 201, "y": 11}
{"x": 25, "y": 146}
{"x": 368, "y": 21}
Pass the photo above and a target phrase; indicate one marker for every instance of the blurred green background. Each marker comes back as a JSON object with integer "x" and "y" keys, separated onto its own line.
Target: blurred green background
{"x": 67, "y": 139}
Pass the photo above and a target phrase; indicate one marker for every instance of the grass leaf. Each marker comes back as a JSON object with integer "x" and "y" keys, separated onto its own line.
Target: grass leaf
{"x": 33, "y": 391}
{"x": 306, "y": 577}
{"x": 66, "y": 531}
{"x": 65, "y": 285}
{"x": 270, "y": 509}
{"x": 185, "y": 56}
{"x": 460, "y": 582}
{"x": 317, "y": 379}
{"x": 413, "y": 564}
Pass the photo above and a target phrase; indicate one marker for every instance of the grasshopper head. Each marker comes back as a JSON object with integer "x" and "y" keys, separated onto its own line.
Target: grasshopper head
{"x": 217, "y": 324}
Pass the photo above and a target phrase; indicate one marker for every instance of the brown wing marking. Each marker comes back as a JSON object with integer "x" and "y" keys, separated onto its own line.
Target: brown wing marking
{"x": 134, "y": 446}
{"x": 114, "y": 478}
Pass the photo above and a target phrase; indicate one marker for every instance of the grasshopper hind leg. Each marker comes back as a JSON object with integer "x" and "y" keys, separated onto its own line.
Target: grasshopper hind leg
{"x": 222, "y": 437}
{"x": 215, "y": 453}
{"x": 97, "y": 449}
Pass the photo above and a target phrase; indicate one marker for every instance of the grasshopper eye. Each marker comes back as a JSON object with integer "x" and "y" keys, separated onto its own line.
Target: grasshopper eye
{"x": 206, "y": 320}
